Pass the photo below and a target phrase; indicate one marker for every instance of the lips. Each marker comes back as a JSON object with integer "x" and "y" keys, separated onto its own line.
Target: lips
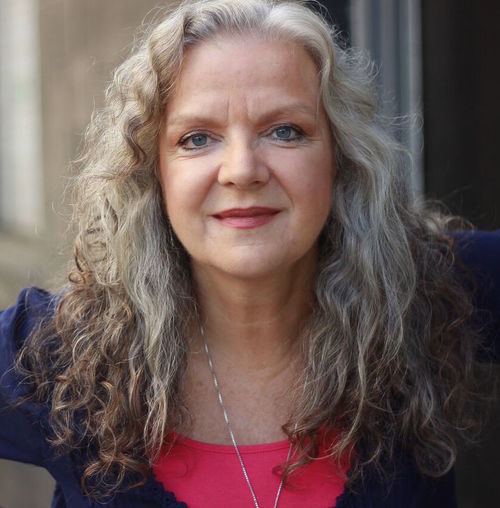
{"x": 246, "y": 218}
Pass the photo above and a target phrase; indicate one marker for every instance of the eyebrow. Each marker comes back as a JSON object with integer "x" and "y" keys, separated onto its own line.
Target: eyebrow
{"x": 276, "y": 111}
{"x": 287, "y": 109}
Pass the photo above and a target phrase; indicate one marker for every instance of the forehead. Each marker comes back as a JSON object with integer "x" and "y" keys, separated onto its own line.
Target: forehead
{"x": 248, "y": 67}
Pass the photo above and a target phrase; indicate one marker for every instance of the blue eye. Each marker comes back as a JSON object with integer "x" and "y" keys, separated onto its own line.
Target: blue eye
{"x": 199, "y": 139}
{"x": 194, "y": 141}
{"x": 284, "y": 132}
{"x": 287, "y": 133}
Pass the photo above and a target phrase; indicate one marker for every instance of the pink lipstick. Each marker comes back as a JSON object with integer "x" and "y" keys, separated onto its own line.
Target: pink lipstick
{"x": 246, "y": 218}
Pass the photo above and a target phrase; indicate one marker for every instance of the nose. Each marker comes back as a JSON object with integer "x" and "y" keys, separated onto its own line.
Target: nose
{"x": 241, "y": 165}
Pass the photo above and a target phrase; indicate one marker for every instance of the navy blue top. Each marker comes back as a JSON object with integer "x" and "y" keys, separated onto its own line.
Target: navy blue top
{"x": 23, "y": 430}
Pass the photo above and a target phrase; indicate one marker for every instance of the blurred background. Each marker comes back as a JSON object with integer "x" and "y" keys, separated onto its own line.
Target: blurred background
{"x": 437, "y": 67}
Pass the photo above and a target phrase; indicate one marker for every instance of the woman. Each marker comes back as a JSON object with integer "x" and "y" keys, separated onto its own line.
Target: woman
{"x": 258, "y": 314}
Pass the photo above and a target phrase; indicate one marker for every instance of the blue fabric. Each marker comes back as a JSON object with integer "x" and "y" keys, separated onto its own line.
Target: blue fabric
{"x": 23, "y": 430}
{"x": 480, "y": 252}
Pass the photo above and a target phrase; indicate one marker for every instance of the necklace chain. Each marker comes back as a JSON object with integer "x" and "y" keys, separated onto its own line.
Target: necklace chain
{"x": 230, "y": 430}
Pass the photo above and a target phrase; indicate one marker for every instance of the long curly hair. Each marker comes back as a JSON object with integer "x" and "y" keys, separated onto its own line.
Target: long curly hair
{"x": 388, "y": 350}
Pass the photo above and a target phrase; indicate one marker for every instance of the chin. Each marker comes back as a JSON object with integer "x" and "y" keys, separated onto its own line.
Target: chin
{"x": 263, "y": 267}
{"x": 242, "y": 263}
{"x": 250, "y": 268}
{"x": 255, "y": 263}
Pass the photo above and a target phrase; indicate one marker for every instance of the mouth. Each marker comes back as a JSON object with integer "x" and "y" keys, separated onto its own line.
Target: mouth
{"x": 246, "y": 218}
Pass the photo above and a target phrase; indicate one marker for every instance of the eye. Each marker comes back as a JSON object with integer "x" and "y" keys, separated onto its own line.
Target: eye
{"x": 195, "y": 141}
{"x": 287, "y": 133}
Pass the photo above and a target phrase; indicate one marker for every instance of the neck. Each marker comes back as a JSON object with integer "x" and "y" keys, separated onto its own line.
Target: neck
{"x": 255, "y": 322}
{"x": 252, "y": 327}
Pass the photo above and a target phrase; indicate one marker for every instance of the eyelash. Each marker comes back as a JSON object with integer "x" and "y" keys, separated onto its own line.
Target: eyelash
{"x": 299, "y": 136}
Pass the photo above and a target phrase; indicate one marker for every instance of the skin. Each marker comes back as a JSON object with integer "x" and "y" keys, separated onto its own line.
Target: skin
{"x": 245, "y": 127}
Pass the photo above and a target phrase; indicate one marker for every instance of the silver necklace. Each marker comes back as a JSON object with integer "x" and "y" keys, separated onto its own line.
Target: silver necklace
{"x": 228, "y": 425}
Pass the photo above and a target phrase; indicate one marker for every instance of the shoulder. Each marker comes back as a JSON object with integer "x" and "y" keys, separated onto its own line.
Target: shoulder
{"x": 479, "y": 254}
{"x": 479, "y": 249}
{"x": 21, "y": 434}
{"x": 34, "y": 306}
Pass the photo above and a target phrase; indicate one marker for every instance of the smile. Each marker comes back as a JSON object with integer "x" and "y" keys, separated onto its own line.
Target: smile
{"x": 246, "y": 218}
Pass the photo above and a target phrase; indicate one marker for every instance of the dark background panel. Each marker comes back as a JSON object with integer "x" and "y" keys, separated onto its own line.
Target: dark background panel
{"x": 339, "y": 14}
{"x": 461, "y": 57}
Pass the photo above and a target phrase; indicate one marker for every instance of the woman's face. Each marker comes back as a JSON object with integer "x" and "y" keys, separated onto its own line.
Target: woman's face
{"x": 246, "y": 156}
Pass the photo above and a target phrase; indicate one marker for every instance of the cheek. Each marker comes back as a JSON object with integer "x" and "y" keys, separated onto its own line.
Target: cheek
{"x": 319, "y": 204}
{"x": 318, "y": 196}
{"x": 324, "y": 177}
{"x": 181, "y": 190}
{"x": 312, "y": 182}
{"x": 172, "y": 191}
{"x": 187, "y": 181}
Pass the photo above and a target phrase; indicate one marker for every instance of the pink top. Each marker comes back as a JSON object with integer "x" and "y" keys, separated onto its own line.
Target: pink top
{"x": 207, "y": 475}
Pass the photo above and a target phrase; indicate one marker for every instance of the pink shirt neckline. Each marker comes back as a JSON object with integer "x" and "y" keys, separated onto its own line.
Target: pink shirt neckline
{"x": 229, "y": 448}
{"x": 208, "y": 475}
